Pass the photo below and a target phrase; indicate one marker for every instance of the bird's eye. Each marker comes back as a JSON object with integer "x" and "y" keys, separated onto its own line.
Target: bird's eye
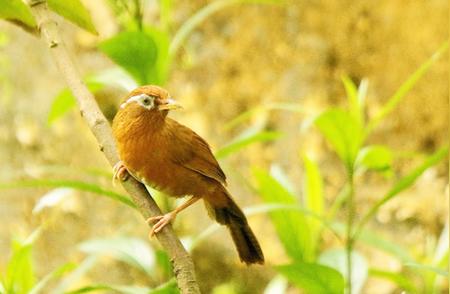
{"x": 147, "y": 101}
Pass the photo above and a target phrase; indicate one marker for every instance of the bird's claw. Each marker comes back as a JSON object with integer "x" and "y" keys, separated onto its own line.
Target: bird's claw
{"x": 120, "y": 172}
{"x": 161, "y": 222}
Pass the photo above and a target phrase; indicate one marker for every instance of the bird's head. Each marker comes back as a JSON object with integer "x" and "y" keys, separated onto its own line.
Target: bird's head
{"x": 149, "y": 99}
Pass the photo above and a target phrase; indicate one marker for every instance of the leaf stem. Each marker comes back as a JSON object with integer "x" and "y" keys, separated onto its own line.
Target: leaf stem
{"x": 138, "y": 13}
{"x": 350, "y": 220}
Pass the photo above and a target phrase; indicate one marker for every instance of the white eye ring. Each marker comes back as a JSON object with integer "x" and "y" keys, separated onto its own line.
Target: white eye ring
{"x": 144, "y": 100}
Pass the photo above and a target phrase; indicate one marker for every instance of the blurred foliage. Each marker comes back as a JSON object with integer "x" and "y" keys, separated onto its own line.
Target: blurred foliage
{"x": 147, "y": 53}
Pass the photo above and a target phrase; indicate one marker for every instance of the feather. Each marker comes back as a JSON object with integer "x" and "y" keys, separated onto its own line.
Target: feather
{"x": 192, "y": 152}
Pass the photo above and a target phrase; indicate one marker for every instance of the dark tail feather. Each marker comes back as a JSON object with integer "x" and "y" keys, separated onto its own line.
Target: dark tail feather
{"x": 245, "y": 241}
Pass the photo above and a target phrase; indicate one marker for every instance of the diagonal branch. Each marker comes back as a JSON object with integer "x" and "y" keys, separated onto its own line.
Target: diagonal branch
{"x": 182, "y": 262}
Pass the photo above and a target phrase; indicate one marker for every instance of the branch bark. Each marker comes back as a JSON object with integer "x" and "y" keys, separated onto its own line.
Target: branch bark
{"x": 182, "y": 263}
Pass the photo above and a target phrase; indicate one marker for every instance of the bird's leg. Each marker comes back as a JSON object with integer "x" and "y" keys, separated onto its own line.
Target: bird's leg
{"x": 163, "y": 220}
{"x": 120, "y": 172}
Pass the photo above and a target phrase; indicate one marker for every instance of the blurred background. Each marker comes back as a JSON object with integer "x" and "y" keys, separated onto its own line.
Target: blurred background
{"x": 274, "y": 87}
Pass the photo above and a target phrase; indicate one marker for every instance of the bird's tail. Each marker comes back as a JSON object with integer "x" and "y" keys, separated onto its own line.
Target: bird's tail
{"x": 229, "y": 214}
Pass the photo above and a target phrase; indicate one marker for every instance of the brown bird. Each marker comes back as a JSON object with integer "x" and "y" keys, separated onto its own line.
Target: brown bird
{"x": 170, "y": 157}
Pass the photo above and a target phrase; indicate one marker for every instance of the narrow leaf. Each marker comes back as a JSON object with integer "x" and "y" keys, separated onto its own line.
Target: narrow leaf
{"x": 74, "y": 276}
{"x": 20, "y": 277}
{"x": 74, "y": 11}
{"x": 406, "y": 87}
{"x": 313, "y": 194}
{"x": 52, "y": 275}
{"x": 166, "y": 288}
{"x": 352, "y": 97}
{"x": 17, "y": 10}
{"x": 430, "y": 268}
{"x": 244, "y": 141}
{"x": 291, "y": 227}
{"x": 82, "y": 186}
{"x": 247, "y": 115}
{"x": 133, "y": 251}
{"x": 201, "y": 15}
{"x": 265, "y": 208}
{"x": 136, "y": 52}
{"x": 397, "y": 278}
{"x": 313, "y": 277}
{"x": 402, "y": 185}
{"x": 377, "y": 240}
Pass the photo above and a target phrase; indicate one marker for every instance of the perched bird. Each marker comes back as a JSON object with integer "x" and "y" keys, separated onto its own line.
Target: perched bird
{"x": 170, "y": 157}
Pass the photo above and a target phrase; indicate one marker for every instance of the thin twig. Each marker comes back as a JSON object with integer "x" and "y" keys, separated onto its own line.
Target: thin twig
{"x": 182, "y": 262}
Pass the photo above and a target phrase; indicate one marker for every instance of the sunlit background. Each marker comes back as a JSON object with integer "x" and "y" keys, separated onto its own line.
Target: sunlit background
{"x": 275, "y": 87}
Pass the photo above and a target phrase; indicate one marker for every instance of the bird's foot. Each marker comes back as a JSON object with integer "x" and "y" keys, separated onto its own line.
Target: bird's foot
{"x": 120, "y": 172}
{"x": 161, "y": 222}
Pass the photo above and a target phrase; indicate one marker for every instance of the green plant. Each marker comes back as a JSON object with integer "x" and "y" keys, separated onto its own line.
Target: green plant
{"x": 18, "y": 276}
{"x": 346, "y": 132}
{"x": 300, "y": 230}
{"x": 147, "y": 57}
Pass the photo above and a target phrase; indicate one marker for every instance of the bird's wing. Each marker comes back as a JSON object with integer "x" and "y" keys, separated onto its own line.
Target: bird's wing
{"x": 191, "y": 151}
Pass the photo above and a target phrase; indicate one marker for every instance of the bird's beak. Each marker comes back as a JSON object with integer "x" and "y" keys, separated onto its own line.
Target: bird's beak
{"x": 169, "y": 104}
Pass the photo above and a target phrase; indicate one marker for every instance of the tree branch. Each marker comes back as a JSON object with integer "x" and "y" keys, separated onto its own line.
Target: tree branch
{"x": 182, "y": 263}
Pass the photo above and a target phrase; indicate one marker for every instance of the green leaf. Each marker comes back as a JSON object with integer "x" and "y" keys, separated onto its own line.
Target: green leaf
{"x": 313, "y": 191}
{"x": 243, "y": 141}
{"x": 52, "y": 275}
{"x": 377, "y": 240}
{"x": 362, "y": 94}
{"x": 402, "y": 185}
{"x": 65, "y": 101}
{"x": 352, "y": 97}
{"x": 136, "y": 52}
{"x": 406, "y": 87}
{"x": 342, "y": 132}
{"x": 292, "y": 227}
{"x": 375, "y": 157}
{"x": 337, "y": 259}
{"x": 133, "y": 251}
{"x": 74, "y": 276}
{"x": 82, "y": 186}
{"x": 430, "y": 268}
{"x": 265, "y": 208}
{"x": 160, "y": 72}
{"x": 165, "y": 10}
{"x": 20, "y": 276}
{"x": 17, "y": 10}
{"x": 247, "y": 115}
{"x": 313, "y": 277}
{"x": 398, "y": 278}
{"x": 166, "y": 288}
{"x": 163, "y": 265}
{"x": 201, "y": 15}
{"x": 74, "y": 11}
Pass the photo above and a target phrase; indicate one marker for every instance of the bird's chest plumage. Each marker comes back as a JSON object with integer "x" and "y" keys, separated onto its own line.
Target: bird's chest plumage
{"x": 146, "y": 157}
{"x": 157, "y": 157}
